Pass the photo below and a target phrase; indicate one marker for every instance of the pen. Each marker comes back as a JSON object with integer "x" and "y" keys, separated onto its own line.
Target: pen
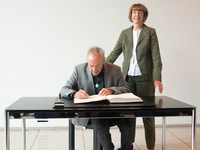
{"x": 84, "y": 92}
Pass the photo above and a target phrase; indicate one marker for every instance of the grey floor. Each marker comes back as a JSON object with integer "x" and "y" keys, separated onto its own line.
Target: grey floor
{"x": 177, "y": 138}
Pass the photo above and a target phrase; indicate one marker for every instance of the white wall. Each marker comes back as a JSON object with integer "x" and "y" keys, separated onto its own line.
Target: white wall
{"x": 42, "y": 40}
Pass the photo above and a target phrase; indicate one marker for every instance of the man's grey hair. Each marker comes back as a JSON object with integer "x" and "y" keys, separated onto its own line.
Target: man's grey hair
{"x": 96, "y": 49}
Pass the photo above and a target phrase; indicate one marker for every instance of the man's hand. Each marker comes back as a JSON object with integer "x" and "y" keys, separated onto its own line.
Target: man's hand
{"x": 159, "y": 85}
{"x": 81, "y": 94}
{"x": 105, "y": 91}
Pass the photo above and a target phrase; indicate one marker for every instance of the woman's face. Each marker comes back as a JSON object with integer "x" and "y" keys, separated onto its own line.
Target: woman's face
{"x": 137, "y": 17}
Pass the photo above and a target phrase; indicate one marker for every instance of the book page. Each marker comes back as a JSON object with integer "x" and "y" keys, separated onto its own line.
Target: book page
{"x": 124, "y": 98}
{"x": 92, "y": 98}
{"x": 119, "y": 98}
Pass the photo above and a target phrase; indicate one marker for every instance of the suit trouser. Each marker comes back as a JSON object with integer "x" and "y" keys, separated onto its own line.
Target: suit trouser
{"x": 143, "y": 88}
{"x": 102, "y": 127}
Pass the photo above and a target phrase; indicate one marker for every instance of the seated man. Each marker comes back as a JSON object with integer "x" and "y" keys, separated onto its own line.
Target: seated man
{"x": 98, "y": 77}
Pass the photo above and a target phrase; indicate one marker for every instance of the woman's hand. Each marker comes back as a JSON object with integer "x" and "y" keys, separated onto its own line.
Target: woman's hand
{"x": 159, "y": 85}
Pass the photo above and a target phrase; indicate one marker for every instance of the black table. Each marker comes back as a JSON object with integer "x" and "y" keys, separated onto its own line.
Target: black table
{"x": 158, "y": 106}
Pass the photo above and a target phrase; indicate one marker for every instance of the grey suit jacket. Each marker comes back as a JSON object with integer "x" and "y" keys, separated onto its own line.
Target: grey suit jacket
{"x": 82, "y": 77}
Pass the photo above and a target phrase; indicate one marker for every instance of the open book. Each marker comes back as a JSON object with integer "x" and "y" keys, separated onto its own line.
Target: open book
{"x": 119, "y": 98}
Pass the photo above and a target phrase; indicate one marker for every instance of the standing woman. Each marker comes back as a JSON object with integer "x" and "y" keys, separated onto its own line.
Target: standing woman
{"x": 142, "y": 62}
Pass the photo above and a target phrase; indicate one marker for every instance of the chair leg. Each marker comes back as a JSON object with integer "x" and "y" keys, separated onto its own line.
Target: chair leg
{"x": 71, "y": 135}
{"x": 96, "y": 143}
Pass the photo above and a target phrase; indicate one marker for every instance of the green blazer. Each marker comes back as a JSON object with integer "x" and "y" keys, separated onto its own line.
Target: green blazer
{"x": 147, "y": 51}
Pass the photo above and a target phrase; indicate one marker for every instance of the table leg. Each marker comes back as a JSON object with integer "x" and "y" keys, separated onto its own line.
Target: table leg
{"x": 24, "y": 134}
{"x": 7, "y": 131}
{"x": 71, "y": 135}
{"x": 193, "y": 142}
{"x": 163, "y": 132}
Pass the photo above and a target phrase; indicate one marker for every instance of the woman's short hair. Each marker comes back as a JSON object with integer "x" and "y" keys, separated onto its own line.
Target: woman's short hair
{"x": 138, "y": 7}
{"x": 96, "y": 49}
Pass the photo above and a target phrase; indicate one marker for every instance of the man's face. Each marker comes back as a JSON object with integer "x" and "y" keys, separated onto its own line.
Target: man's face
{"x": 95, "y": 63}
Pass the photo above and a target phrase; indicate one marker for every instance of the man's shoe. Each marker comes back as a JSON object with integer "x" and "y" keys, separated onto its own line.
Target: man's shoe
{"x": 131, "y": 147}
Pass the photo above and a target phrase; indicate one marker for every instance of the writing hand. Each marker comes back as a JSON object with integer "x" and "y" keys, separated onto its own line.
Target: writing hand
{"x": 81, "y": 94}
{"x": 159, "y": 85}
{"x": 105, "y": 91}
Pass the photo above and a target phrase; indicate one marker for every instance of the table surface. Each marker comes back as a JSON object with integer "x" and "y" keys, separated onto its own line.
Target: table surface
{"x": 158, "y": 106}
{"x": 151, "y": 106}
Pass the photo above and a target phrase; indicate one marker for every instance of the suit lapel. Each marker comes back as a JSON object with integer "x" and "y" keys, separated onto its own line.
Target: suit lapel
{"x": 106, "y": 75}
{"x": 143, "y": 33}
{"x": 130, "y": 36}
{"x": 129, "y": 41}
{"x": 90, "y": 80}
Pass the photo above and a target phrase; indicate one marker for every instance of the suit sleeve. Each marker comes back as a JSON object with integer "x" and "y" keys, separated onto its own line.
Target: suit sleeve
{"x": 116, "y": 51}
{"x": 71, "y": 85}
{"x": 155, "y": 52}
